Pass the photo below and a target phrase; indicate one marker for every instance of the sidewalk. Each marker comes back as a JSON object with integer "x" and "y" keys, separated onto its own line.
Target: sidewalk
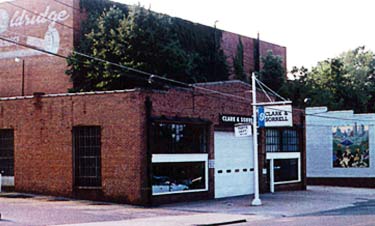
{"x": 201, "y": 219}
{"x": 24, "y": 210}
{"x": 281, "y": 204}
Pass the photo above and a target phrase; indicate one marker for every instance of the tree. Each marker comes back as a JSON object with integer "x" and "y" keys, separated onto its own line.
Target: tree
{"x": 344, "y": 82}
{"x": 141, "y": 39}
{"x": 238, "y": 63}
{"x": 272, "y": 73}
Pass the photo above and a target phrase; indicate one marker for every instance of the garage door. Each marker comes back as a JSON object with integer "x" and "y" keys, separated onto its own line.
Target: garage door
{"x": 234, "y": 168}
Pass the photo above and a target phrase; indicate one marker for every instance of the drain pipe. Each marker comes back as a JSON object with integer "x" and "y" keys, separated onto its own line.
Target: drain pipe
{"x": 148, "y": 105}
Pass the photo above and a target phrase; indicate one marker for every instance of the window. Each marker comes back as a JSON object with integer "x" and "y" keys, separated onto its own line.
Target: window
{"x": 286, "y": 170}
{"x": 179, "y": 138}
{"x": 272, "y": 140}
{"x": 87, "y": 156}
{"x": 180, "y": 176}
{"x": 282, "y": 140}
{"x": 179, "y": 173}
{"x": 7, "y": 152}
{"x": 290, "y": 140}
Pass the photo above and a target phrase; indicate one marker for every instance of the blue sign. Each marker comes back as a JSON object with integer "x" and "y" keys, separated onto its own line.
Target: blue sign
{"x": 261, "y": 117}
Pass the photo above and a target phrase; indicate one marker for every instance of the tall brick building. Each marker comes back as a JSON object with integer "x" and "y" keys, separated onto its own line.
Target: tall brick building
{"x": 133, "y": 146}
{"x": 30, "y": 23}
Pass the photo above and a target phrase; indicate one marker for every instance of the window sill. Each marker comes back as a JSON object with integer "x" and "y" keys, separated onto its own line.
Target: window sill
{"x": 180, "y": 192}
{"x": 88, "y": 188}
{"x": 287, "y": 182}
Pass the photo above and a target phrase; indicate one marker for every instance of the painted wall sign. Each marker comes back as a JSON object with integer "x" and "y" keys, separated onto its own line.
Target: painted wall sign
{"x": 234, "y": 119}
{"x": 275, "y": 116}
{"x": 21, "y": 19}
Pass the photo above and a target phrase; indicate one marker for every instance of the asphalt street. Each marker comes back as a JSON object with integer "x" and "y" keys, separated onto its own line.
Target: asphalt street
{"x": 316, "y": 206}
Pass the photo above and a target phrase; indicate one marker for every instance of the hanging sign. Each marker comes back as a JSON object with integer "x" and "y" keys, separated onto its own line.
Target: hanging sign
{"x": 242, "y": 130}
{"x": 275, "y": 116}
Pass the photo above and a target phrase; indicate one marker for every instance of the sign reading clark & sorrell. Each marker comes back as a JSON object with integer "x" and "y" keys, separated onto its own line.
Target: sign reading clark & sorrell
{"x": 275, "y": 116}
{"x": 234, "y": 119}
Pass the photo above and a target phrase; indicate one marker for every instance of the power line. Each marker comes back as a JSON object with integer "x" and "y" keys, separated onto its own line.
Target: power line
{"x": 111, "y": 63}
{"x": 162, "y": 78}
{"x": 150, "y": 75}
{"x": 67, "y": 5}
{"x": 123, "y": 67}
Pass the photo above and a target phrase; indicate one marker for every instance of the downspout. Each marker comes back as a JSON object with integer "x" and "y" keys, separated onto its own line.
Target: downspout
{"x": 148, "y": 105}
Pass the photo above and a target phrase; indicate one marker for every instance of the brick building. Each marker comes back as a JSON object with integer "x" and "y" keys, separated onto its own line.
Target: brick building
{"x": 133, "y": 146}
{"x": 29, "y": 23}
{"x": 140, "y": 146}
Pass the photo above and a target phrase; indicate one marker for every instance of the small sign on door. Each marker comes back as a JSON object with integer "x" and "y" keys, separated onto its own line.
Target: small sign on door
{"x": 242, "y": 130}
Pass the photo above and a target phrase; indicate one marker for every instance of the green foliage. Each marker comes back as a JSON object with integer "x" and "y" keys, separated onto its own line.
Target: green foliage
{"x": 272, "y": 73}
{"x": 344, "y": 82}
{"x": 141, "y": 39}
{"x": 238, "y": 63}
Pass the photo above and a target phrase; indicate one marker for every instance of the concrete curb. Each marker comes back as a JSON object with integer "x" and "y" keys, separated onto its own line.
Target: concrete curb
{"x": 224, "y": 223}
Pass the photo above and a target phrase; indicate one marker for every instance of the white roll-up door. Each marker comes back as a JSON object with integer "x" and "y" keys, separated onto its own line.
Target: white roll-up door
{"x": 234, "y": 168}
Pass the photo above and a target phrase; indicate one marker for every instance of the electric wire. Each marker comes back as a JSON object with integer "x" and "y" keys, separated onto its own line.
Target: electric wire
{"x": 163, "y": 78}
{"x": 118, "y": 65}
{"x": 150, "y": 75}
{"x": 166, "y": 79}
{"x": 67, "y": 5}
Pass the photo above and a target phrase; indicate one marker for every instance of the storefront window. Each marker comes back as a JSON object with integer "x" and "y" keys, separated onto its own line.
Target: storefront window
{"x": 285, "y": 170}
{"x": 178, "y": 177}
{"x": 178, "y": 138}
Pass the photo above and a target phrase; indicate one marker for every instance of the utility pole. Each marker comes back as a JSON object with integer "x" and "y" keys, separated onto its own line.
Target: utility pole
{"x": 256, "y": 201}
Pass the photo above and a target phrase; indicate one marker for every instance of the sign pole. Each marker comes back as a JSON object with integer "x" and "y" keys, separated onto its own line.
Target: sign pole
{"x": 256, "y": 201}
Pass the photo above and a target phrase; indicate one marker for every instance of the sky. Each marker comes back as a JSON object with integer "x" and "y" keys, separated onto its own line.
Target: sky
{"x": 312, "y": 30}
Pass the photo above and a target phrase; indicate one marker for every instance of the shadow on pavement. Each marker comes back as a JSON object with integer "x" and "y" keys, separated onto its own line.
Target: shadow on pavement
{"x": 358, "y": 208}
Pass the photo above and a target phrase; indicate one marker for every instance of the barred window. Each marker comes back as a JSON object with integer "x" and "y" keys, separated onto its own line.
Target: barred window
{"x": 282, "y": 140}
{"x": 87, "y": 156}
{"x": 290, "y": 140}
{"x": 179, "y": 138}
{"x": 272, "y": 140}
{"x": 7, "y": 152}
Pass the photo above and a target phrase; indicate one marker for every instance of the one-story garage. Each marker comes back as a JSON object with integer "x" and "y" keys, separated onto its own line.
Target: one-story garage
{"x": 144, "y": 146}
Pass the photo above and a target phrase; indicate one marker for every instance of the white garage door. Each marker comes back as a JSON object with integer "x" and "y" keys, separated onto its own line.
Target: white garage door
{"x": 234, "y": 168}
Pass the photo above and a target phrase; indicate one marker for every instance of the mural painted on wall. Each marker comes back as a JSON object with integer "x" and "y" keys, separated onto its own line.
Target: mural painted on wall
{"x": 22, "y": 19}
{"x": 351, "y": 146}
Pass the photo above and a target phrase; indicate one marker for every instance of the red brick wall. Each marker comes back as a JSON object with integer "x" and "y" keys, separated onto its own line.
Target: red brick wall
{"x": 277, "y": 50}
{"x": 43, "y": 137}
{"x": 43, "y": 142}
{"x": 43, "y": 73}
{"x": 229, "y": 44}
